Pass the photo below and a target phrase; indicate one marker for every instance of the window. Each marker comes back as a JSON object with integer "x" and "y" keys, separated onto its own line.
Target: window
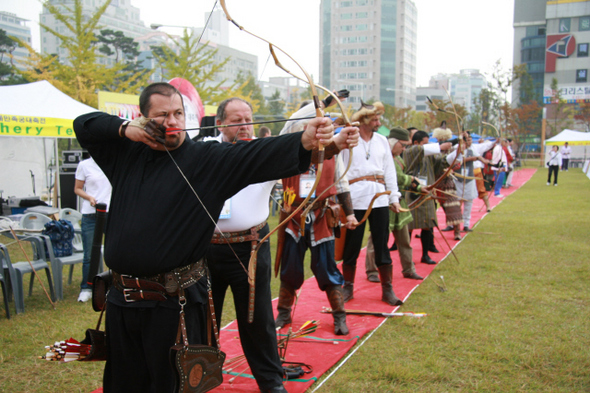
{"x": 346, "y": 16}
{"x": 583, "y": 50}
{"x": 346, "y": 4}
{"x": 564, "y": 25}
{"x": 363, "y": 26}
{"x": 346, "y": 28}
{"x": 532, "y": 31}
{"x": 584, "y": 23}
{"x": 360, "y": 15}
{"x": 581, "y": 75}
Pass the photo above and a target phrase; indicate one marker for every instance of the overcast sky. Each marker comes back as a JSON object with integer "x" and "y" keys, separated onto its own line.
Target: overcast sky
{"x": 452, "y": 34}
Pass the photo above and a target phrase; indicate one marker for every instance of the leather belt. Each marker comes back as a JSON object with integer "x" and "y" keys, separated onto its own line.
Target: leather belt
{"x": 160, "y": 286}
{"x": 375, "y": 178}
{"x": 248, "y": 235}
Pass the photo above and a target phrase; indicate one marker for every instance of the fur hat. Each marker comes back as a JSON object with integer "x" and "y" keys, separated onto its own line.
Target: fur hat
{"x": 442, "y": 134}
{"x": 367, "y": 111}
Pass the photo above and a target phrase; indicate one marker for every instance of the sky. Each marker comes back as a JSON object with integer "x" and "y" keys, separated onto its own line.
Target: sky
{"x": 452, "y": 34}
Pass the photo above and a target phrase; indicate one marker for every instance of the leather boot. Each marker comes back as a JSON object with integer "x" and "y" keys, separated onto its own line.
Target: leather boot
{"x": 286, "y": 298}
{"x": 348, "y": 272}
{"x": 336, "y": 299}
{"x": 386, "y": 288}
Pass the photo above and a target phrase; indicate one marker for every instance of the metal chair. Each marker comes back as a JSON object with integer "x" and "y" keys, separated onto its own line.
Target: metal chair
{"x": 34, "y": 221}
{"x": 4, "y": 251}
{"x": 16, "y": 271}
{"x": 75, "y": 217}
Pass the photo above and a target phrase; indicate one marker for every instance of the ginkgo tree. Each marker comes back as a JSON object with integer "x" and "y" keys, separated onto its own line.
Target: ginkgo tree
{"x": 80, "y": 75}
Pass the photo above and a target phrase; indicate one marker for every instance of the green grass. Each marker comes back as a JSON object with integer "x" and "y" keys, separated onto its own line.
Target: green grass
{"x": 515, "y": 316}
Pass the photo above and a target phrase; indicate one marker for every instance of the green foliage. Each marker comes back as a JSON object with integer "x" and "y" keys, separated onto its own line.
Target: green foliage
{"x": 403, "y": 117}
{"x": 122, "y": 45}
{"x": 8, "y": 73}
{"x": 80, "y": 75}
{"x": 562, "y": 112}
{"x": 196, "y": 62}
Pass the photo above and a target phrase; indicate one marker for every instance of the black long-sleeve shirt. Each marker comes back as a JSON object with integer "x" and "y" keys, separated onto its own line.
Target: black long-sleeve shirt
{"x": 155, "y": 222}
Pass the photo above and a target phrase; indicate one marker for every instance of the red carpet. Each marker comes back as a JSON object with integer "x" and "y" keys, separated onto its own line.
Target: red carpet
{"x": 323, "y": 349}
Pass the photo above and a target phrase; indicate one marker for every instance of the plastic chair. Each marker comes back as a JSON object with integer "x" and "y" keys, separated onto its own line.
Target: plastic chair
{"x": 16, "y": 271}
{"x": 34, "y": 221}
{"x": 58, "y": 263}
{"x": 75, "y": 217}
{"x": 4, "y": 251}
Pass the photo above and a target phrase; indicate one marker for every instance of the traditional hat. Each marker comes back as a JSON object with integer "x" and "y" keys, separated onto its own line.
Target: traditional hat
{"x": 401, "y": 134}
{"x": 367, "y": 111}
{"x": 442, "y": 134}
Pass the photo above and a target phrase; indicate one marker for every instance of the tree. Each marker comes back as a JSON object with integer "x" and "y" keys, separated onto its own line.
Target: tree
{"x": 196, "y": 62}
{"x": 80, "y": 75}
{"x": 449, "y": 112}
{"x": 8, "y": 73}
{"x": 583, "y": 115}
{"x": 122, "y": 45}
{"x": 562, "y": 116}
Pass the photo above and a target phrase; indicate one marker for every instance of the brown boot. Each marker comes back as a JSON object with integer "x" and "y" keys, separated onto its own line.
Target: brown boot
{"x": 334, "y": 293}
{"x": 348, "y": 272}
{"x": 386, "y": 288}
{"x": 286, "y": 298}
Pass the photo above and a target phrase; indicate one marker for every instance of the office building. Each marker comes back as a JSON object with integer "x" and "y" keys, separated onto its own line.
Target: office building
{"x": 15, "y": 27}
{"x": 552, "y": 38}
{"x": 369, "y": 48}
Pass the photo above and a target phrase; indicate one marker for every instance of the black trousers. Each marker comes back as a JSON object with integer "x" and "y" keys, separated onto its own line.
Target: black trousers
{"x": 565, "y": 163}
{"x": 379, "y": 226}
{"x": 553, "y": 169}
{"x": 139, "y": 341}
{"x": 258, "y": 339}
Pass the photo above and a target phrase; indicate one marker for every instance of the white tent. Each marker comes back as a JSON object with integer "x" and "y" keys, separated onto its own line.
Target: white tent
{"x": 578, "y": 141}
{"x": 27, "y": 112}
{"x": 573, "y": 138}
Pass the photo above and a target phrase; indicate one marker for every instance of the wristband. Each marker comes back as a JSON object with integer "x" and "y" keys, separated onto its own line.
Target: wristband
{"x": 124, "y": 128}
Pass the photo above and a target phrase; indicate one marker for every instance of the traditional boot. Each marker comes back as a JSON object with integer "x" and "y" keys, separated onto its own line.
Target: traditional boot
{"x": 334, "y": 293}
{"x": 348, "y": 272}
{"x": 457, "y": 232}
{"x": 286, "y": 298}
{"x": 386, "y": 288}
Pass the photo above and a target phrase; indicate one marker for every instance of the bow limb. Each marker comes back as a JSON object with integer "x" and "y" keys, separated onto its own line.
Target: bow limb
{"x": 377, "y": 195}
{"x": 319, "y": 170}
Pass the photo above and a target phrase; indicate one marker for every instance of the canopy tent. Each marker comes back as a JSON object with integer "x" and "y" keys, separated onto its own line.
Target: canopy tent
{"x": 571, "y": 137}
{"x": 578, "y": 141}
{"x": 32, "y": 110}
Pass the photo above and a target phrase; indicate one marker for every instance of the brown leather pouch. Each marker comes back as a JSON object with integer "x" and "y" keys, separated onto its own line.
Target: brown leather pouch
{"x": 100, "y": 286}
{"x": 333, "y": 214}
{"x": 197, "y": 367}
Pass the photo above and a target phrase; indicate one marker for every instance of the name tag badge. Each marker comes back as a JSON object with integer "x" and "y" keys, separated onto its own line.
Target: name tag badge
{"x": 423, "y": 180}
{"x": 305, "y": 185}
{"x": 226, "y": 211}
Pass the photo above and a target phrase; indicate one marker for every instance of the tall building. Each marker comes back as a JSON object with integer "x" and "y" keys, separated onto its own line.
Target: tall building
{"x": 552, "y": 38}
{"x": 369, "y": 48}
{"x": 119, "y": 16}
{"x": 15, "y": 27}
{"x": 463, "y": 88}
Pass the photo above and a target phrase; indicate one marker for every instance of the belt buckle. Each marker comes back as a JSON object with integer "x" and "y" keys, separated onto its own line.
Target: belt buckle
{"x": 127, "y": 292}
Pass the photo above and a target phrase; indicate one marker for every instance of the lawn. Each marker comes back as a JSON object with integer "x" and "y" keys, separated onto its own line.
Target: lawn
{"x": 515, "y": 315}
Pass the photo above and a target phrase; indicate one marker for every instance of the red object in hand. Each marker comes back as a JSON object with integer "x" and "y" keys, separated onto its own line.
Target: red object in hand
{"x": 173, "y": 130}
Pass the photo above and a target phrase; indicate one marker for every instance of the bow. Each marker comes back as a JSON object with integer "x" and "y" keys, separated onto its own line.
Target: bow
{"x": 450, "y": 168}
{"x": 316, "y": 101}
